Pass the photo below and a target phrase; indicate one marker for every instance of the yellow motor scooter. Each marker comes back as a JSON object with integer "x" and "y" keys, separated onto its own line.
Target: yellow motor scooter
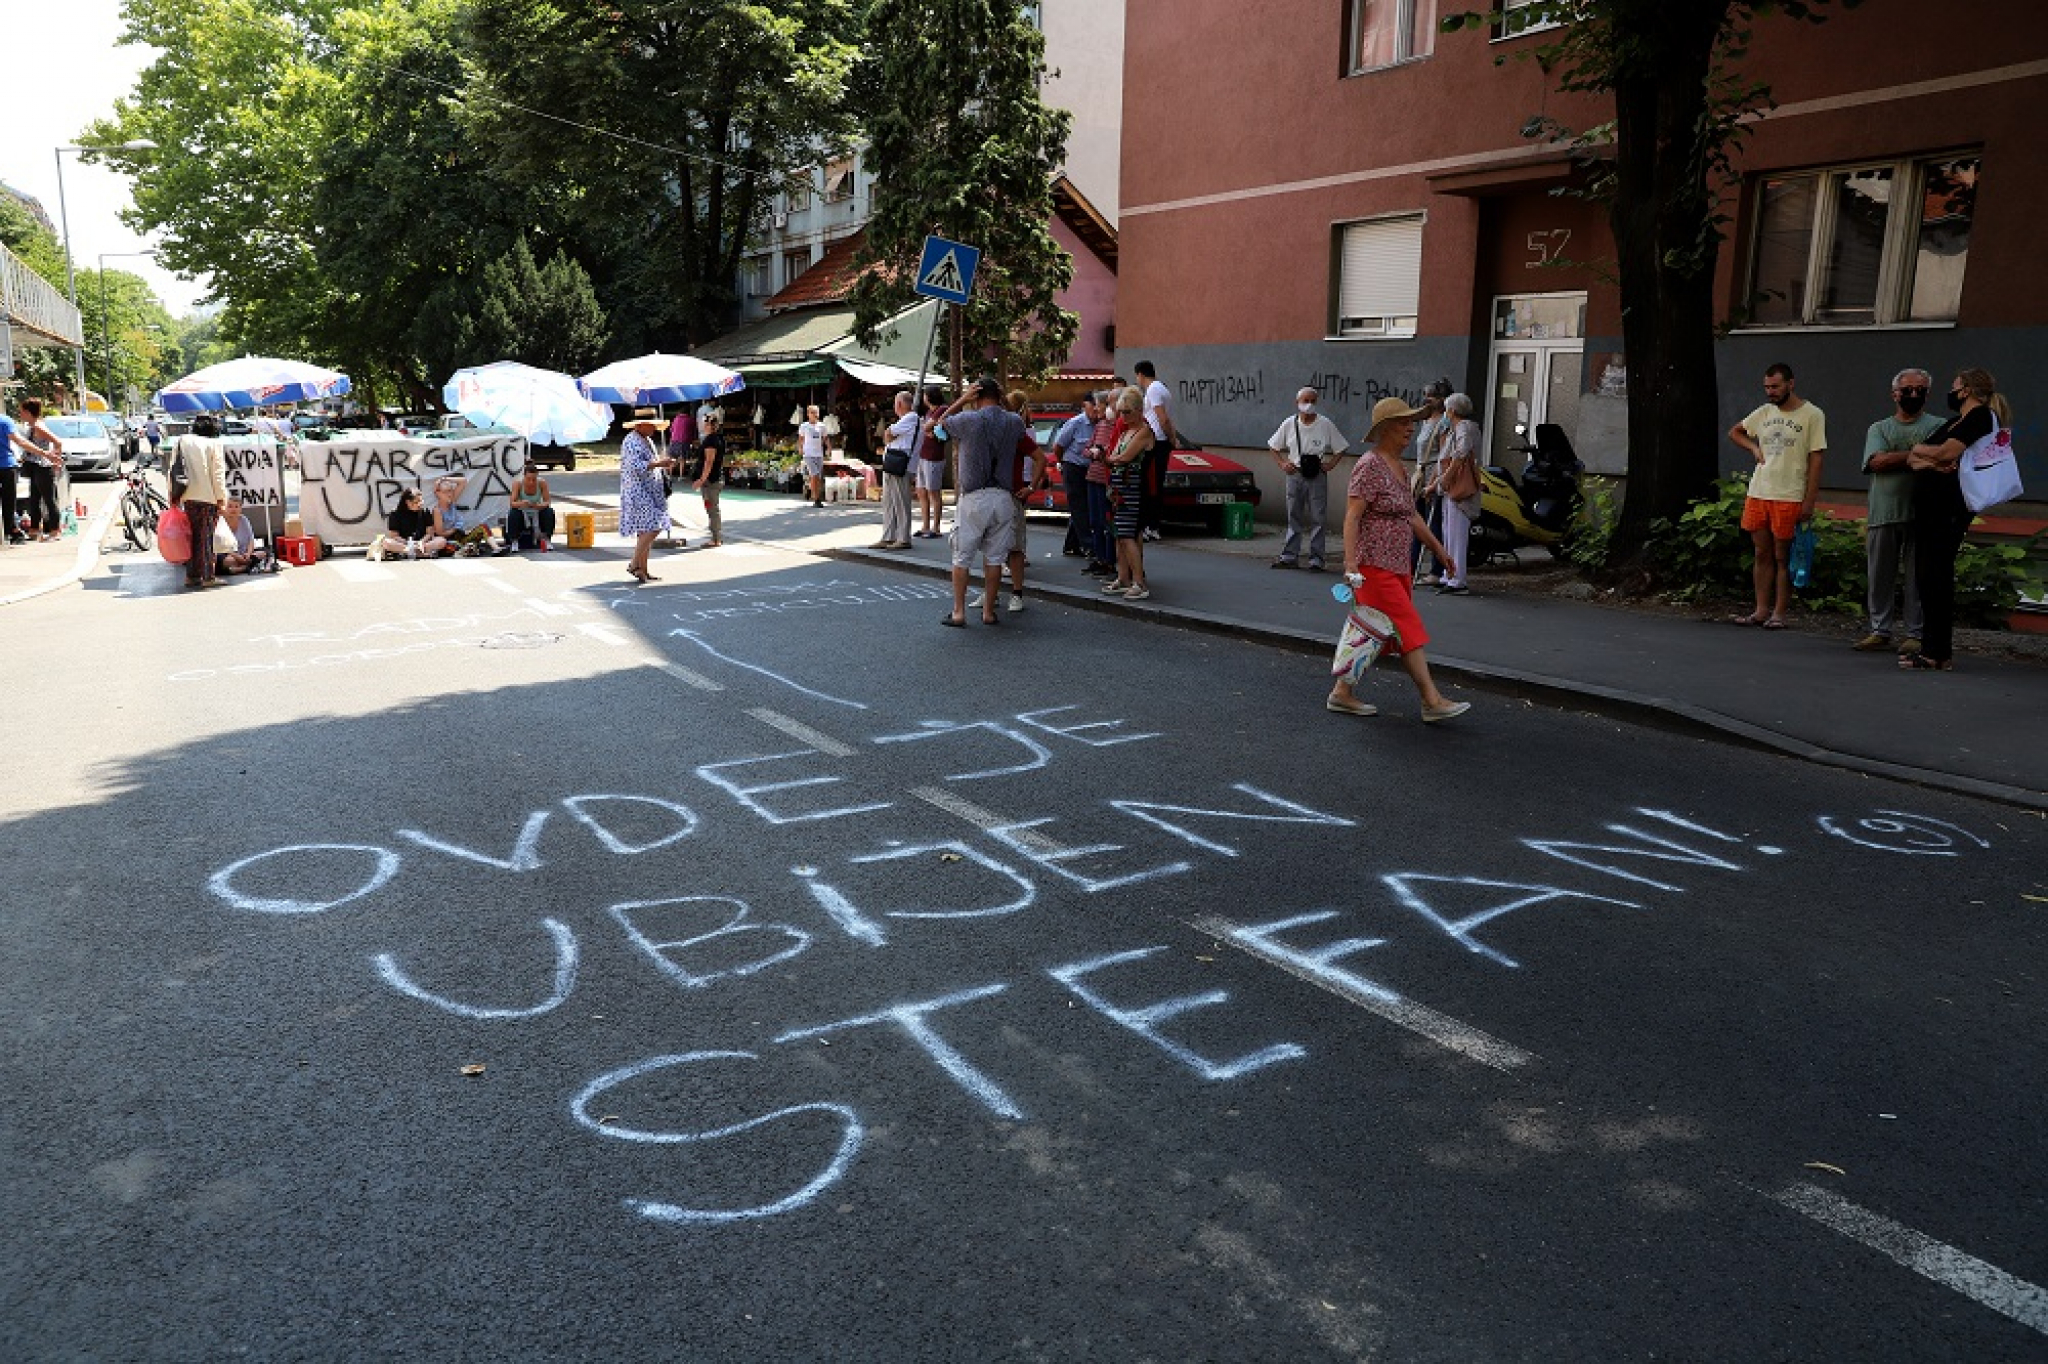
{"x": 1535, "y": 507}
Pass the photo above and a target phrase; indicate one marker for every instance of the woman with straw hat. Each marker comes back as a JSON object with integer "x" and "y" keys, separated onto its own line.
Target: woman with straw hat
{"x": 1380, "y": 522}
{"x": 643, "y": 501}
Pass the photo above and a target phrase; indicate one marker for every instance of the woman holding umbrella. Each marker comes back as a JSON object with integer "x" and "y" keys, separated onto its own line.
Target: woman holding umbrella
{"x": 643, "y": 502}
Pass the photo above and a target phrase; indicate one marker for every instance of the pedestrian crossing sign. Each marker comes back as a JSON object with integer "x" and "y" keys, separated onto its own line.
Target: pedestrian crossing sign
{"x": 946, "y": 270}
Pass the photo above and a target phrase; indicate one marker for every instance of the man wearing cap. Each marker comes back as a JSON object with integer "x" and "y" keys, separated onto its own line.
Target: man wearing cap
{"x": 985, "y": 434}
{"x": 1306, "y": 447}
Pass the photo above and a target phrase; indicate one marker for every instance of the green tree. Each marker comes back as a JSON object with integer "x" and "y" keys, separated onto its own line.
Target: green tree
{"x": 1670, "y": 69}
{"x": 672, "y": 123}
{"x": 515, "y": 309}
{"x": 963, "y": 146}
{"x": 131, "y": 341}
{"x": 311, "y": 158}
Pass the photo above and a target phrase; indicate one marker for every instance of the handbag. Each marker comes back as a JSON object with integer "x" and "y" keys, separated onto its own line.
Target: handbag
{"x": 896, "y": 463}
{"x": 1990, "y": 471}
{"x": 174, "y": 535}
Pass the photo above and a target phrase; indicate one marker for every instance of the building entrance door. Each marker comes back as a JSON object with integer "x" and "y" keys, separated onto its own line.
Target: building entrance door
{"x": 1537, "y": 369}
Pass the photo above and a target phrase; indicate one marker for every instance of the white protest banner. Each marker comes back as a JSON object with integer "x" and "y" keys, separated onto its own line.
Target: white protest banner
{"x": 350, "y": 484}
{"x": 255, "y": 475}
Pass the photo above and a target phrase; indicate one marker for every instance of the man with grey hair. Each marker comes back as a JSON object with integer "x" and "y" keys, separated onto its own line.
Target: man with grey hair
{"x": 1306, "y": 447}
{"x": 1888, "y": 535}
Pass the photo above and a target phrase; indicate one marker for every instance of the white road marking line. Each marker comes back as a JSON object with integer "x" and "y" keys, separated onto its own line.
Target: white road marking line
{"x": 361, "y": 572}
{"x": 1420, "y": 1019}
{"x": 684, "y": 675}
{"x": 983, "y": 819}
{"x": 465, "y": 568}
{"x": 604, "y": 634}
{"x": 508, "y": 588}
{"x": 546, "y": 608}
{"x": 797, "y": 729}
{"x": 1984, "y": 1283}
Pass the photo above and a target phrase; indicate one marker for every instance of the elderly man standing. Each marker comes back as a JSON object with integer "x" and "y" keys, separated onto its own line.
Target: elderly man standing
{"x": 1070, "y": 443}
{"x": 985, "y": 433}
{"x": 1306, "y": 447}
{"x": 1888, "y": 534}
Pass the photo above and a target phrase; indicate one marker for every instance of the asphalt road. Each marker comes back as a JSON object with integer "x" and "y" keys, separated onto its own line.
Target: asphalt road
{"x": 846, "y": 987}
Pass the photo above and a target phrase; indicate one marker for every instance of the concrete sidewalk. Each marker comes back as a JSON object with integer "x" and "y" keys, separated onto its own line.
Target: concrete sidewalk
{"x": 1981, "y": 730}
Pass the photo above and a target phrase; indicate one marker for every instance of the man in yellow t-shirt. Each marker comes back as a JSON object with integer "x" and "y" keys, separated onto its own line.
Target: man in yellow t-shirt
{"x": 1787, "y": 436}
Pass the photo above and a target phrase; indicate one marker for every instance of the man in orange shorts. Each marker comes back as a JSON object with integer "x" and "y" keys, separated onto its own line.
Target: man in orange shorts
{"x": 1787, "y": 437}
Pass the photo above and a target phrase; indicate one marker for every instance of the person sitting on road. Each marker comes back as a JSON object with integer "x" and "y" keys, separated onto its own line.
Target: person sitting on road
{"x": 530, "y": 522}
{"x": 408, "y": 531}
{"x": 451, "y": 523}
{"x": 234, "y": 543}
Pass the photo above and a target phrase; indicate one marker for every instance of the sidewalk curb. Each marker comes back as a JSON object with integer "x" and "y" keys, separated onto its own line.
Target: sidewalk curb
{"x": 1606, "y": 700}
{"x": 82, "y": 563}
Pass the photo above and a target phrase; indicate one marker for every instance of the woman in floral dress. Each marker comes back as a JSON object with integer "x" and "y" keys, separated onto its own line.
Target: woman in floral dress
{"x": 643, "y": 501}
{"x": 1380, "y": 521}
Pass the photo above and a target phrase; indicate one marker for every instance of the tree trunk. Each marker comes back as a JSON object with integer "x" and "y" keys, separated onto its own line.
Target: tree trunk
{"x": 1667, "y": 280}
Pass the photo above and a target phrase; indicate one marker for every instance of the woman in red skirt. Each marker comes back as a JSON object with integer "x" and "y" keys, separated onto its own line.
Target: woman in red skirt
{"x": 1379, "y": 523}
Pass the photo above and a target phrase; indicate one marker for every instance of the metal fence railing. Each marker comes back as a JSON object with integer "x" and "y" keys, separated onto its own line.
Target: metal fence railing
{"x": 36, "y": 311}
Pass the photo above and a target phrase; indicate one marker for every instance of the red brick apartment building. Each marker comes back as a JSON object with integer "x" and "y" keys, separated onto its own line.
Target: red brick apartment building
{"x": 1332, "y": 192}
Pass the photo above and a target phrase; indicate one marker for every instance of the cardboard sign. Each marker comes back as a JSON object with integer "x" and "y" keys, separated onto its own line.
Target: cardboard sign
{"x": 255, "y": 474}
{"x": 350, "y": 484}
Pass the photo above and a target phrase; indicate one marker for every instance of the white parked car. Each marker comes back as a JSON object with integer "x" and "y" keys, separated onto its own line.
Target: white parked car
{"x": 88, "y": 449}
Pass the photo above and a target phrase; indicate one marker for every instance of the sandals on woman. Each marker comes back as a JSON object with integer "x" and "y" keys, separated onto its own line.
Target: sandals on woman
{"x": 1921, "y": 663}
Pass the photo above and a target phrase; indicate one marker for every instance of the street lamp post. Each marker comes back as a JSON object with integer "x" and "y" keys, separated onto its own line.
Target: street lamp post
{"x": 140, "y": 144}
{"x": 106, "y": 319}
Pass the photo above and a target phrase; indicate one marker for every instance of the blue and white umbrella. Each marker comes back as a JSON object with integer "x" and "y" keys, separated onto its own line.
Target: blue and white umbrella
{"x": 543, "y": 405}
{"x": 252, "y": 381}
{"x": 657, "y": 378}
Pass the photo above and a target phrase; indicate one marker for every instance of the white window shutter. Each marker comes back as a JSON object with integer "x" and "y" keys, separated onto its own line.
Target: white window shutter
{"x": 1380, "y": 269}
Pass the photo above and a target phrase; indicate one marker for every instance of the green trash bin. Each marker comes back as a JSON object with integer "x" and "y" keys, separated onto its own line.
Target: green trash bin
{"x": 1237, "y": 520}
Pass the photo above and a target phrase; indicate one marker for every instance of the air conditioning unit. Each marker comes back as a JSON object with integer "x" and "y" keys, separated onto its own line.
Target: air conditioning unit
{"x": 782, "y": 220}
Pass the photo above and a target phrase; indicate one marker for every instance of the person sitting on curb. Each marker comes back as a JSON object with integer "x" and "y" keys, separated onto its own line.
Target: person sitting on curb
{"x": 530, "y": 520}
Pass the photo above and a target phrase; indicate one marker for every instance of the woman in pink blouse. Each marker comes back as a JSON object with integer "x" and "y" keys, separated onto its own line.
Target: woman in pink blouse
{"x": 1380, "y": 520}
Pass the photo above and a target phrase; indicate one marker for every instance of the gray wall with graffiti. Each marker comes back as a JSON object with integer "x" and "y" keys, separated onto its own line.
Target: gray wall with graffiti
{"x": 1232, "y": 397}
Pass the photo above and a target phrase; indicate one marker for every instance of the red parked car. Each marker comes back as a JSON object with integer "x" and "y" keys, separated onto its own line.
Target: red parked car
{"x": 1198, "y": 484}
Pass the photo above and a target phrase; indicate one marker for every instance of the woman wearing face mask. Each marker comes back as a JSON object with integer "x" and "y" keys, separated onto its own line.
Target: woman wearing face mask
{"x": 1306, "y": 447}
{"x": 1941, "y": 517}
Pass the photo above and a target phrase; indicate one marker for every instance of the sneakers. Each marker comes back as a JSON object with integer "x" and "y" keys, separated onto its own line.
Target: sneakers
{"x": 1451, "y": 711}
{"x": 1138, "y": 593}
{"x": 1016, "y": 602}
{"x": 1151, "y": 535}
{"x": 1113, "y": 586}
{"x": 1284, "y": 563}
{"x": 1343, "y": 707}
{"x": 1874, "y": 643}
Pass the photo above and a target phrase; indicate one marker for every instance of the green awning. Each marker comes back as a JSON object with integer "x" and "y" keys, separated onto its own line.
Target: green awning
{"x": 787, "y": 373}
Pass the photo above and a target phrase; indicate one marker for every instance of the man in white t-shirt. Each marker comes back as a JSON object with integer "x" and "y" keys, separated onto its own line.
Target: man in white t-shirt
{"x": 1306, "y": 447}
{"x": 810, "y": 439}
{"x": 1164, "y": 435}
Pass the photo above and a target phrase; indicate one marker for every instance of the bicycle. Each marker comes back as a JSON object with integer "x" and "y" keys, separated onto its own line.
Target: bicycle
{"x": 141, "y": 505}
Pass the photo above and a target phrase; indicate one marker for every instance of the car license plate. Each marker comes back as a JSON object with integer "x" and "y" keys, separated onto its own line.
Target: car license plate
{"x": 1213, "y": 499}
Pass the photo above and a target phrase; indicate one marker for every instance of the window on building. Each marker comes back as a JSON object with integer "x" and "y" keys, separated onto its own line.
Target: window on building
{"x": 839, "y": 181}
{"x": 1379, "y": 276}
{"x": 794, "y": 263}
{"x": 798, "y": 195}
{"x": 1864, "y": 245}
{"x": 1384, "y": 32}
{"x": 1522, "y": 16}
{"x": 754, "y": 276}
